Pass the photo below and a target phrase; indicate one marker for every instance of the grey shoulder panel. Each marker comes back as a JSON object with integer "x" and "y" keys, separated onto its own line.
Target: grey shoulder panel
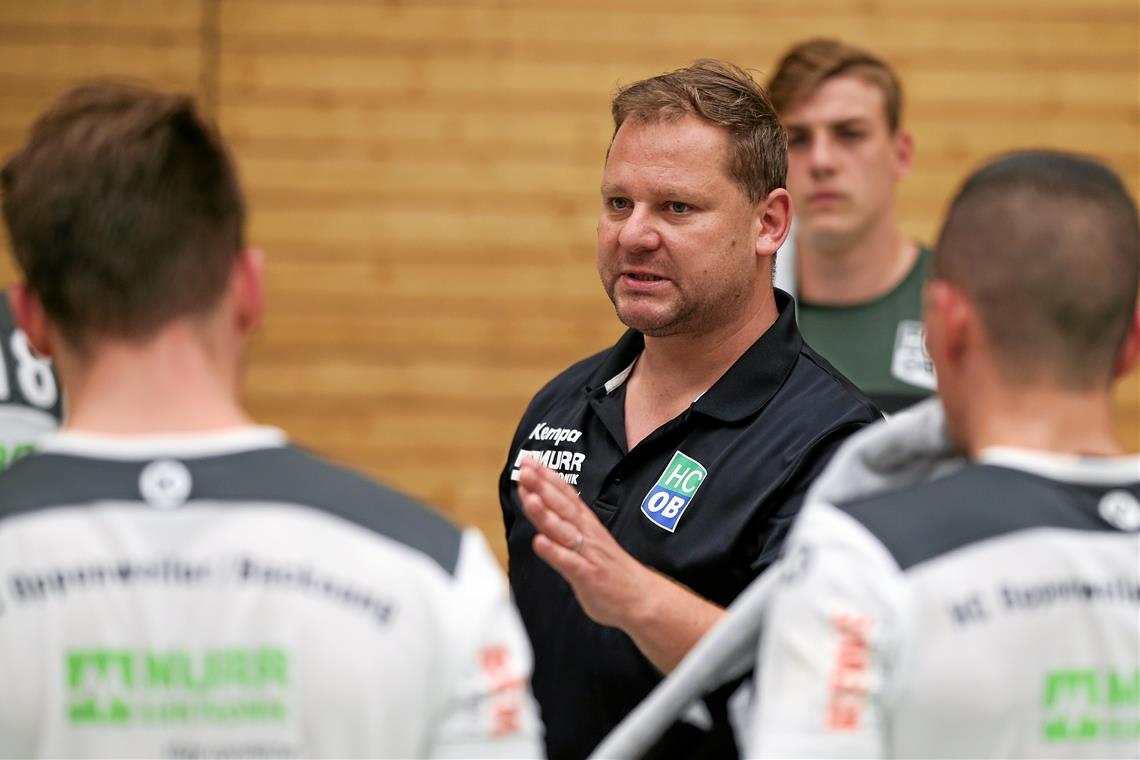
{"x": 978, "y": 503}
{"x": 285, "y": 475}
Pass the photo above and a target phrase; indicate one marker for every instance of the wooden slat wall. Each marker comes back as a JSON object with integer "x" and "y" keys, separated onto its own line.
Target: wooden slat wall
{"x": 423, "y": 176}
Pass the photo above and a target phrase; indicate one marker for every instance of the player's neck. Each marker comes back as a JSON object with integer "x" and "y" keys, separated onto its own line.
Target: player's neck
{"x": 695, "y": 361}
{"x": 173, "y": 382}
{"x": 855, "y": 269}
{"x": 1044, "y": 419}
{"x": 674, "y": 371}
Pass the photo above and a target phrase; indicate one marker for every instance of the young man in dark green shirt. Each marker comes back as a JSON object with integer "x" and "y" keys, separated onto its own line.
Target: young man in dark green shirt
{"x": 857, "y": 279}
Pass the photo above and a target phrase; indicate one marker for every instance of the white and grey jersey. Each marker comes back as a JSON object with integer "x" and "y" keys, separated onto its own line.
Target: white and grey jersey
{"x": 992, "y": 613}
{"x": 227, "y": 594}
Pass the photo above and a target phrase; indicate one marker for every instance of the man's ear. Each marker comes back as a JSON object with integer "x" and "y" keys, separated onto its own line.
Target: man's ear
{"x": 774, "y": 221}
{"x": 29, "y": 313}
{"x": 1130, "y": 351}
{"x": 949, "y": 319}
{"x": 904, "y": 153}
{"x": 249, "y": 288}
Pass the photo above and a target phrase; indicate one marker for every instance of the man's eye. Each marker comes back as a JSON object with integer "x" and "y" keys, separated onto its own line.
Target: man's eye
{"x": 850, "y": 135}
{"x": 797, "y": 141}
{"x": 679, "y": 208}
{"x": 618, "y": 204}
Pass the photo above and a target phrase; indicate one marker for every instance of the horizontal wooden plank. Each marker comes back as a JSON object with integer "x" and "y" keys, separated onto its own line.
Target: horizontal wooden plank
{"x": 461, "y": 186}
{"x": 591, "y": 107}
{"x": 472, "y": 457}
{"x": 476, "y": 305}
{"x": 396, "y": 75}
{"x": 649, "y": 56}
{"x": 338, "y": 74}
{"x": 885, "y": 10}
{"x": 440, "y": 284}
{"x": 382, "y": 226}
{"x": 614, "y": 29}
{"x": 575, "y": 337}
{"x": 82, "y": 34}
{"x": 172, "y": 66}
{"x": 374, "y": 378}
{"x": 316, "y": 408}
{"x": 450, "y": 334}
{"x": 472, "y": 133}
{"x": 117, "y": 15}
{"x": 421, "y": 432}
{"x": 1072, "y": 87}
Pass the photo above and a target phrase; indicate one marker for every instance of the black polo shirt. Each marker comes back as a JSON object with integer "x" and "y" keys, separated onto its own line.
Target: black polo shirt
{"x": 706, "y": 499}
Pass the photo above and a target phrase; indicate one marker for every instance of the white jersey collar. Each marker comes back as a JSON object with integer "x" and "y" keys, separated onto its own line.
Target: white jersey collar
{"x": 174, "y": 445}
{"x": 1065, "y": 467}
{"x": 619, "y": 379}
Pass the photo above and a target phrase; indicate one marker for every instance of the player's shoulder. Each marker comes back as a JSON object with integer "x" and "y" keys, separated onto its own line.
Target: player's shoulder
{"x": 818, "y": 383}
{"x": 977, "y": 503}
{"x": 815, "y": 409}
{"x": 295, "y": 474}
{"x": 275, "y": 475}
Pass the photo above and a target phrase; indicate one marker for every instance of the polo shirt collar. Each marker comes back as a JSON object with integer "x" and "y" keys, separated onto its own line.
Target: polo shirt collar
{"x": 741, "y": 391}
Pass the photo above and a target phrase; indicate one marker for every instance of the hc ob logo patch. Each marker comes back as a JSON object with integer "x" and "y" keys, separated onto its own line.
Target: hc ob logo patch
{"x": 667, "y": 501}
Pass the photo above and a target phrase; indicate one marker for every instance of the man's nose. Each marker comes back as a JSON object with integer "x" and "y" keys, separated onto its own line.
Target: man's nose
{"x": 822, "y": 155}
{"x": 639, "y": 230}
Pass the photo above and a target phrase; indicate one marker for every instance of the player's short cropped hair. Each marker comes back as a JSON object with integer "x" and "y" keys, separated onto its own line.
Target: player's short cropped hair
{"x": 124, "y": 211}
{"x": 809, "y": 64}
{"x": 1047, "y": 247}
{"x": 723, "y": 95}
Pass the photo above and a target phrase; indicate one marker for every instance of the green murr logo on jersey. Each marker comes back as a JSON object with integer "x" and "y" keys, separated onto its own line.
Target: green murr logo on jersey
{"x": 122, "y": 686}
{"x": 1091, "y": 705}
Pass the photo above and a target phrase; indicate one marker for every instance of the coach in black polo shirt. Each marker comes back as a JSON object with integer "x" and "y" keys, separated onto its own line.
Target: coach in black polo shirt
{"x": 675, "y": 460}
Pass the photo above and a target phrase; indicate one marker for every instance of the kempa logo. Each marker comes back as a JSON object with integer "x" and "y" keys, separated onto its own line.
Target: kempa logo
{"x": 670, "y": 497}
{"x": 543, "y": 432}
{"x": 122, "y": 686}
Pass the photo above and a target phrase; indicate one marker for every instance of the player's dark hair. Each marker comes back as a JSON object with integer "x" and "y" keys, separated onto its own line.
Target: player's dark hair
{"x": 124, "y": 211}
{"x": 1047, "y": 246}
{"x": 726, "y": 96}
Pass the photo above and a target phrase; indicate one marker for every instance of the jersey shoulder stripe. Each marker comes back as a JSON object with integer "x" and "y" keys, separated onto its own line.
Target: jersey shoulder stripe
{"x": 285, "y": 475}
{"x": 978, "y": 503}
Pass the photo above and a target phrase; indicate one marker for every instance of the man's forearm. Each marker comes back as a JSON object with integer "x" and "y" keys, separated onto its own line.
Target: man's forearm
{"x": 669, "y": 621}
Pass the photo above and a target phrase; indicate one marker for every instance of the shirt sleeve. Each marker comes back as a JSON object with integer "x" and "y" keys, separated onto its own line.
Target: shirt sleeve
{"x": 487, "y": 708}
{"x": 827, "y": 644}
{"x": 814, "y": 462}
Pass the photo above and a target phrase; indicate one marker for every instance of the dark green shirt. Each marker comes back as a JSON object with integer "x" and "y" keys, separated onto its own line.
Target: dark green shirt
{"x": 879, "y": 345}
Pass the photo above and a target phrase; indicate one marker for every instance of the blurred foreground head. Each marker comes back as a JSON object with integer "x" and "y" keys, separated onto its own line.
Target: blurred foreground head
{"x": 124, "y": 213}
{"x": 1046, "y": 246}
{"x": 1034, "y": 284}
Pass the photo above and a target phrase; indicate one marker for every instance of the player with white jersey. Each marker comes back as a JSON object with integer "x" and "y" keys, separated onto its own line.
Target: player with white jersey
{"x": 995, "y": 611}
{"x": 176, "y": 581}
{"x": 30, "y": 401}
